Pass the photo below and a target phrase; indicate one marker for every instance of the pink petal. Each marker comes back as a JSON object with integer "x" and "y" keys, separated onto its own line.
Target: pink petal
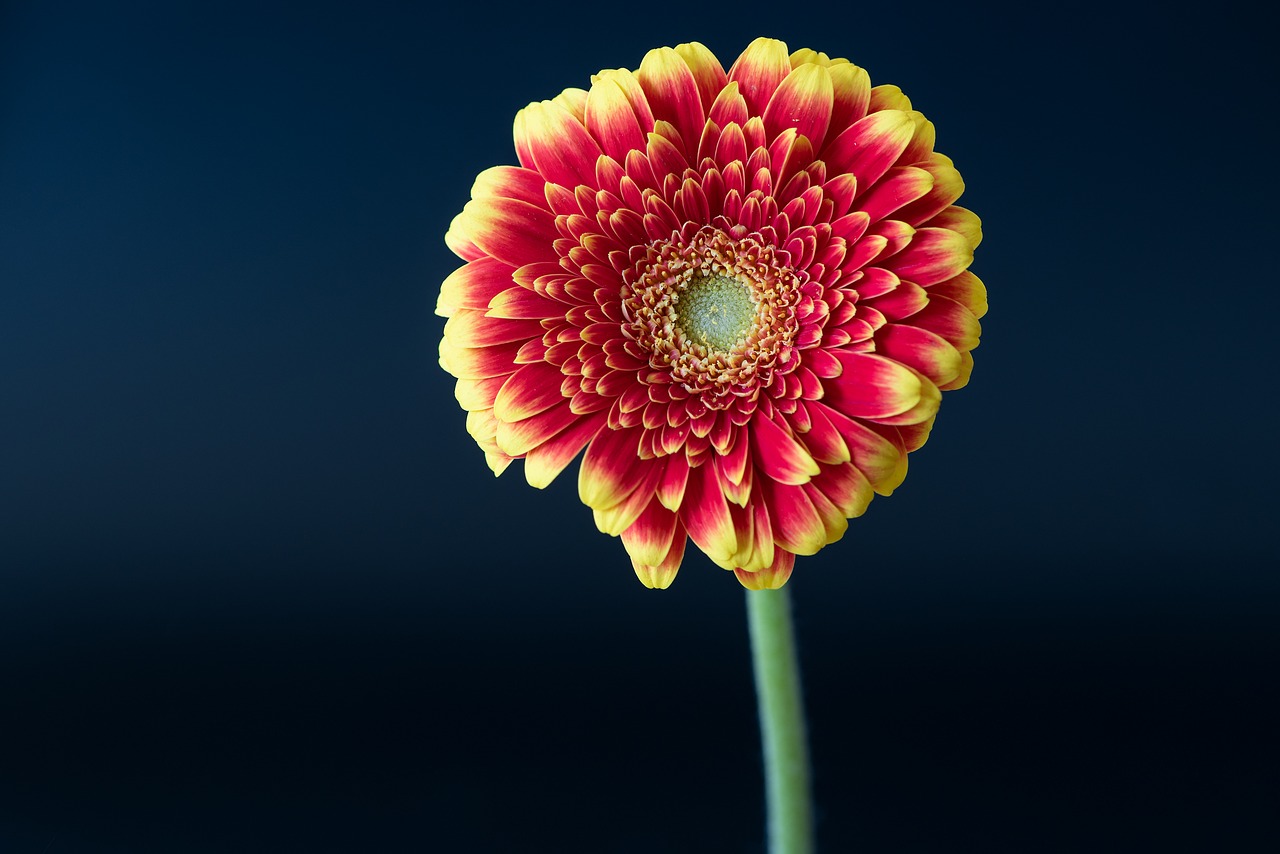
{"x": 951, "y": 320}
{"x": 899, "y": 186}
{"x": 852, "y": 95}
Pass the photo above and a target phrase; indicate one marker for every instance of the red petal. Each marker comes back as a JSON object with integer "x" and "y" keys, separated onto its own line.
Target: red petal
{"x": 772, "y": 577}
{"x": 609, "y": 468}
{"x": 521, "y": 303}
{"x": 802, "y": 102}
{"x": 920, "y": 349}
{"x": 706, "y": 69}
{"x": 511, "y": 182}
{"x": 550, "y": 139}
{"x": 797, "y": 527}
{"x": 933, "y": 255}
{"x": 519, "y": 437}
{"x": 531, "y": 389}
{"x": 512, "y": 231}
{"x": 759, "y": 71}
{"x": 611, "y": 120}
{"x": 671, "y": 488}
{"x": 543, "y": 463}
{"x": 673, "y": 93}
{"x": 649, "y": 538}
{"x": 872, "y": 386}
{"x": 870, "y": 146}
{"x": 472, "y": 285}
{"x": 705, "y": 513}
{"x": 777, "y": 454}
{"x": 659, "y": 577}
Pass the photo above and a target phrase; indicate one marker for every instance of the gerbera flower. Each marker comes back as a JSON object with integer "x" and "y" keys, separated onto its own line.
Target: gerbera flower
{"x": 742, "y": 293}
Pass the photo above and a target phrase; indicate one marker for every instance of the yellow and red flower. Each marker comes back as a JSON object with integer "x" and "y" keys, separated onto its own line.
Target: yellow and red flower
{"x": 742, "y": 293}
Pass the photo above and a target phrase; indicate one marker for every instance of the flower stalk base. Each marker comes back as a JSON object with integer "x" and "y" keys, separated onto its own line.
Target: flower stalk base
{"x": 782, "y": 727}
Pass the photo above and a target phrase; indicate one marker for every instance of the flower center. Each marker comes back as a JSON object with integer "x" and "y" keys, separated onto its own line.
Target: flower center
{"x": 715, "y": 314}
{"x": 717, "y": 311}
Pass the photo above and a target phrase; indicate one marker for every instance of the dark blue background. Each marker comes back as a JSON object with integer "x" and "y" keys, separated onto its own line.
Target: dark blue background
{"x": 259, "y": 591}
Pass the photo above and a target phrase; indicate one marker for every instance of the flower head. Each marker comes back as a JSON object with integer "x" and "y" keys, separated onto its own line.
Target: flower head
{"x": 742, "y": 293}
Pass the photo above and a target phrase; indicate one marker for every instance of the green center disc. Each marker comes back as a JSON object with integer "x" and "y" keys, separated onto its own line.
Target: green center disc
{"x": 716, "y": 311}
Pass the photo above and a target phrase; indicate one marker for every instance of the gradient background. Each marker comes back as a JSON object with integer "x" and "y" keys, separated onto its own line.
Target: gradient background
{"x": 259, "y": 592}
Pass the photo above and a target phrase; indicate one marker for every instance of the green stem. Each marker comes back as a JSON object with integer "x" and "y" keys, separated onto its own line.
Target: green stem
{"x": 782, "y": 730}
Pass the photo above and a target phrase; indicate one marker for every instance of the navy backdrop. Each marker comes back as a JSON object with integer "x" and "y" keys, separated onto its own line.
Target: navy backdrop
{"x": 259, "y": 592}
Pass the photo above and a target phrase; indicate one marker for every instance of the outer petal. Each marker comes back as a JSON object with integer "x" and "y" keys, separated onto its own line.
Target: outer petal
{"x": 543, "y": 463}
{"x": 608, "y": 471}
{"x": 531, "y": 389}
{"x": 759, "y": 71}
{"x": 616, "y": 519}
{"x": 870, "y": 146}
{"x": 779, "y": 455}
{"x": 511, "y": 182}
{"x": 648, "y": 539}
{"x": 550, "y": 139}
{"x": 797, "y": 527}
{"x": 873, "y": 454}
{"x": 966, "y": 289}
{"x": 611, "y": 120}
{"x": 473, "y": 284}
{"x": 512, "y": 231}
{"x": 928, "y": 353}
{"x": 659, "y": 577}
{"x": 947, "y": 187}
{"x": 803, "y": 102}
{"x": 951, "y": 320}
{"x": 673, "y": 96}
{"x": 933, "y": 255}
{"x": 705, "y": 513}
{"x": 706, "y": 69}
{"x": 518, "y": 438}
{"x": 852, "y": 91}
{"x": 960, "y": 220}
{"x": 872, "y": 386}
{"x": 899, "y": 186}
{"x": 772, "y": 577}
